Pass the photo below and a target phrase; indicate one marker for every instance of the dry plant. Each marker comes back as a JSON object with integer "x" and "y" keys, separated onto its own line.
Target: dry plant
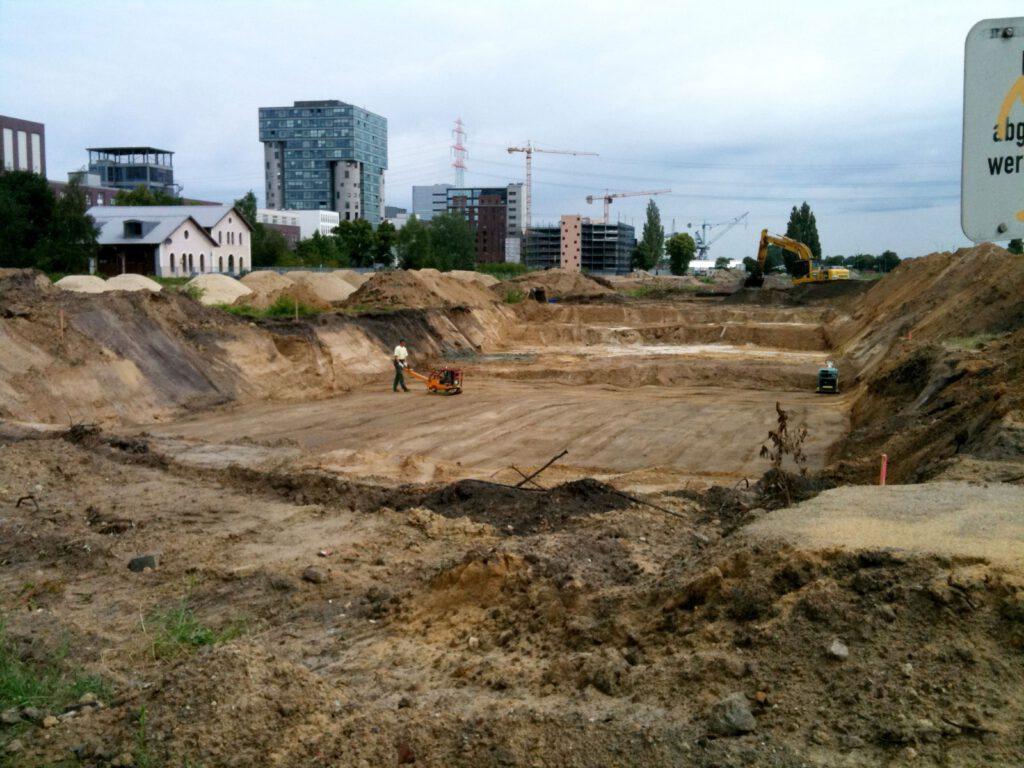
{"x": 782, "y": 443}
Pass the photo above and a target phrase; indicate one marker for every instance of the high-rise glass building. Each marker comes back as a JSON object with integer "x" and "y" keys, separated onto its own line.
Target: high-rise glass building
{"x": 325, "y": 154}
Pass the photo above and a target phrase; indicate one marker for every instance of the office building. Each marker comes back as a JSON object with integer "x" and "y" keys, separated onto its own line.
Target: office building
{"x": 22, "y": 145}
{"x": 325, "y": 155}
{"x": 306, "y": 223}
{"x": 494, "y": 214}
{"x": 579, "y": 244}
{"x": 172, "y": 240}
{"x": 429, "y": 200}
{"x": 133, "y": 167}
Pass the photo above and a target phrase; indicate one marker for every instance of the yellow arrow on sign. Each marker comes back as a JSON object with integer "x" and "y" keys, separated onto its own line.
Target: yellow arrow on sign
{"x": 1016, "y": 92}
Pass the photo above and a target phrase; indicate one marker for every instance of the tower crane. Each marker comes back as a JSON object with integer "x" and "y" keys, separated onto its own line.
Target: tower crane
{"x": 609, "y": 196}
{"x": 528, "y": 150}
{"x": 700, "y": 237}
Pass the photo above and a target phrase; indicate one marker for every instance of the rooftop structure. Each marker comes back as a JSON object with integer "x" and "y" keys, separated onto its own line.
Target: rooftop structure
{"x": 132, "y": 167}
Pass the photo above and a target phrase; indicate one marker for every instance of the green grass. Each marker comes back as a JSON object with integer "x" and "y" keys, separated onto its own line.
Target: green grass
{"x": 176, "y": 631}
{"x": 976, "y": 341}
{"x": 50, "y": 684}
{"x": 502, "y": 271}
{"x": 283, "y": 307}
{"x": 514, "y": 296}
{"x": 170, "y": 282}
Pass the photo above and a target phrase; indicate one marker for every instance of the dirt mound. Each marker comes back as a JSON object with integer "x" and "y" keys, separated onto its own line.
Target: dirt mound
{"x": 938, "y": 347}
{"x": 469, "y": 276}
{"x": 129, "y": 282}
{"x": 353, "y": 278}
{"x": 269, "y": 287}
{"x": 419, "y": 289}
{"x": 328, "y": 287}
{"x": 520, "y": 511}
{"x": 218, "y": 289}
{"x": 556, "y": 283}
{"x": 82, "y": 284}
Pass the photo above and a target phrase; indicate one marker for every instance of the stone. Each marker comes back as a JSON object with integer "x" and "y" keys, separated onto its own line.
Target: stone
{"x": 314, "y": 575}
{"x": 473, "y": 643}
{"x": 838, "y": 650}
{"x": 10, "y": 716}
{"x": 141, "y": 563}
{"x": 14, "y": 746}
{"x": 49, "y": 721}
{"x": 123, "y": 760}
{"x": 907, "y": 669}
{"x": 731, "y": 716}
{"x": 33, "y": 714}
{"x": 87, "y": 699}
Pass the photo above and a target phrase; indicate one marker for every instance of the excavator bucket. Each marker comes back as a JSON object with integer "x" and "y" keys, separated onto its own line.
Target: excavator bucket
{"x": 753, "y": 281}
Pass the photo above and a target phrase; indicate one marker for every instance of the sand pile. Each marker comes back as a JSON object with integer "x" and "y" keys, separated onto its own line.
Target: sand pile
{"x": 469, "y": 276}
{"x": 329, "y": 287}
{"x": 82, "y": 284}
{"x": 218, "y": 289}
{"x": 267, "y": 287}
{"x": 355, "y": 279}
{"x": 419, "y": 289}
{"x": 129, "y": 282}
{"x": 556, "y": 283}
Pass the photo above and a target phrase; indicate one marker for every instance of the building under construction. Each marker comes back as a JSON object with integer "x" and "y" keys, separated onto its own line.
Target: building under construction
{"x": 603, "y": 248}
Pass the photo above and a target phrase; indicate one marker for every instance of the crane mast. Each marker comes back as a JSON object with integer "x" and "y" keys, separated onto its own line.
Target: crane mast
{"x": 528, "y": 150}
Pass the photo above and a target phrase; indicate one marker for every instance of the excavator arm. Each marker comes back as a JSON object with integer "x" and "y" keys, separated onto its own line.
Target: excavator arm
{"x": 801, "y": 251}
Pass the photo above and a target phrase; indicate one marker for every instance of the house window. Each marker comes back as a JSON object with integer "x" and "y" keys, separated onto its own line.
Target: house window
{"x": 202, "y": 263}
{"x": 231, "y": 262}
{"x": 240, "y": 236}
{"x": 220, "y": 238}
{"x": 241, "y": 264}
{"x": 220, "y": 264}
{"x": 172, "y": 264}
{"x": 191, "y": 265}
{"x": 186, "y": 234}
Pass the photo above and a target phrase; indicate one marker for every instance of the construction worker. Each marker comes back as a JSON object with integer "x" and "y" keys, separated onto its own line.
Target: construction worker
{"x": 399, "y": 359}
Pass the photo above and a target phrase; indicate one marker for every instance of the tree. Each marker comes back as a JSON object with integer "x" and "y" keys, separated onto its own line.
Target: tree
{"x": 834, "y": 261}
{"x": 355, "y": 242}
{"x": 750, "y": 264}
{"x": 384, "y": 243}
{"x": 39, "y": 230}
{"x": 887, "y": 262}
{"x": 412, "y": 244}
{"x": 652, "y": 242}
{"x": 146, "y": 196}
{"x": 320, "y": 251}
{"x": 269, "y": 248}
{"x": 246, "y": 206}
{"x": 681, "y": 249}
{"x": 1015, "y": 246}
{"x": 451, "y": 242}
{"x": 802, "y": 227}
{"x": 71, "y": 236}
{"x": 722, "y": 262}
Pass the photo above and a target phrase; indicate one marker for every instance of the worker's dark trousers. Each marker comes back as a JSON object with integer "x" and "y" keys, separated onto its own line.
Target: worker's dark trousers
{"x": 399, "y": 378}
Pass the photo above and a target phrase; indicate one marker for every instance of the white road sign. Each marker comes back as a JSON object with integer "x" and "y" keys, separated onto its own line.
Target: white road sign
{"x": 992, "y": 179}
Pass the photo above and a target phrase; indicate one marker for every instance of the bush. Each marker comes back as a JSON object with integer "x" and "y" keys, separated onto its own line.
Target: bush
{"x": 502, "y": 270}
{"x": 514, "y": 296}
{"x": 283, "y": 307}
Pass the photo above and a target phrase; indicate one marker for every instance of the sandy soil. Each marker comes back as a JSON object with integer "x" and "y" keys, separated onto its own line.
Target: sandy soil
{"x": 348, "y": 598}
{"x": 953, "y": 519}
{"x": 685, "y": 432}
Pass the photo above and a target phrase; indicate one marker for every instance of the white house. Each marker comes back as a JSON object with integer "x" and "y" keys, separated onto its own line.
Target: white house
{"x": 172, "y": 240}
{"x": 308, "y": 221}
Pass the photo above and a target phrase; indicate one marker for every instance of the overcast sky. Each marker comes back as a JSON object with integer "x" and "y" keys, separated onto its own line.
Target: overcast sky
{"x": 736, "y": 106}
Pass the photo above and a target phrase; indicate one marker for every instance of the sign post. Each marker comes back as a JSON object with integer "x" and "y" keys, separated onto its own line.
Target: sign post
{"x": 992, "y": 177}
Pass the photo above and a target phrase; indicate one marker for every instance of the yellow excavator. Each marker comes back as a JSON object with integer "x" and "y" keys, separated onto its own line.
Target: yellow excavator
{"x": 807, "y": 270}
